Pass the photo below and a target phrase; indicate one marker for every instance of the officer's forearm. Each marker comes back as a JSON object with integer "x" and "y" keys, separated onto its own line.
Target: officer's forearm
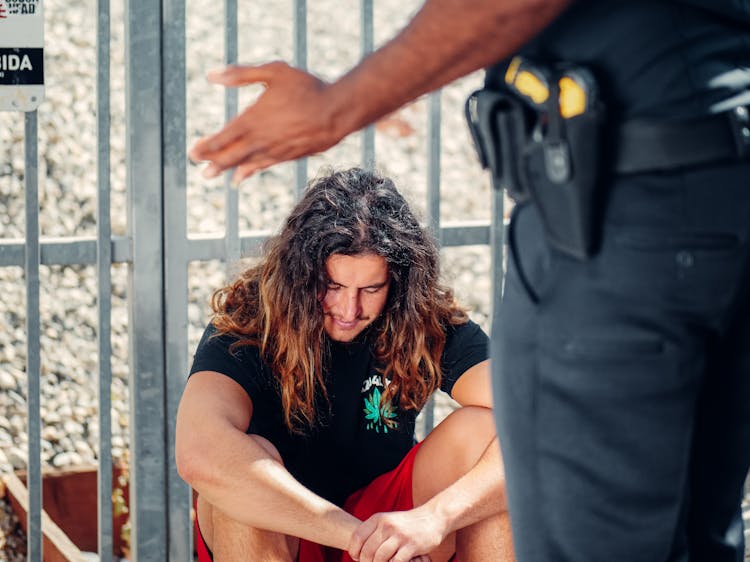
{"x": 446, "y": 39}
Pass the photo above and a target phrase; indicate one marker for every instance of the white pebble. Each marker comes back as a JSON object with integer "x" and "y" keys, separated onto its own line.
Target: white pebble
{"x": 7, "y": 381}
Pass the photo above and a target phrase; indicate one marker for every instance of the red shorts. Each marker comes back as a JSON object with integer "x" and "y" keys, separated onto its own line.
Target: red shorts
{"x": 388, "y": 492}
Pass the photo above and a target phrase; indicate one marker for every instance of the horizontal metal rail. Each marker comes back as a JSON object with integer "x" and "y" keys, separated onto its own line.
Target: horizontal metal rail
{"x": 81, "y": 250}
{"x": 72, "y": 250}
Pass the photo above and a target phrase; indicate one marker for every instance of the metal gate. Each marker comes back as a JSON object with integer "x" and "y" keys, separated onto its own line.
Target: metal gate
{"x": 158, "y": 247}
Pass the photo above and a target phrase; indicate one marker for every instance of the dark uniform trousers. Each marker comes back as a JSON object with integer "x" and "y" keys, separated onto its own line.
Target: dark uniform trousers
{"x": 623, "y": 390}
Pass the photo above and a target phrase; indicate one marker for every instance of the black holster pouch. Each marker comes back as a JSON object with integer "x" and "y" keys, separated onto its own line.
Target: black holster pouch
{"x": 537, "y": 155}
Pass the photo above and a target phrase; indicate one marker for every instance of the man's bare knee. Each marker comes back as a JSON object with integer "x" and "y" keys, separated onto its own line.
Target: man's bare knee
{"x": 468, "y": 432}
{"x": 268, "y": 447}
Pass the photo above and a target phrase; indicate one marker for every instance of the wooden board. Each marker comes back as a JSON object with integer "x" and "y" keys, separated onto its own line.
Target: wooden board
{"x": 70, "y": 502}
{"x": 57, "y": 547}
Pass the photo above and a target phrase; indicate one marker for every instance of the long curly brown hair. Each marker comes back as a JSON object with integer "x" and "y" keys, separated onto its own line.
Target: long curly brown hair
{"x": 276, "y": 306}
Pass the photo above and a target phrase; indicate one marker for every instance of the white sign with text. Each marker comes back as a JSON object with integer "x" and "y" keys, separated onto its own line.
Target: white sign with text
{"x": 21, "y": 55}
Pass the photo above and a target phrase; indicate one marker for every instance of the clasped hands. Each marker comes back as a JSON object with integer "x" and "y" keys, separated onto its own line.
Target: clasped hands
{"x": 399, "y": 536}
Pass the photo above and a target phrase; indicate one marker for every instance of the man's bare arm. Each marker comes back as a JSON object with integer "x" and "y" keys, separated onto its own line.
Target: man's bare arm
{"x": 236, "y": 474}
{"x": 446, "y": 39}
{"x": 299, "y": 115}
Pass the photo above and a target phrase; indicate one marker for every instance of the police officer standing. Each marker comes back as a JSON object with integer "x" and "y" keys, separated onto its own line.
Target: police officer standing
{"x": 622, "y": 130}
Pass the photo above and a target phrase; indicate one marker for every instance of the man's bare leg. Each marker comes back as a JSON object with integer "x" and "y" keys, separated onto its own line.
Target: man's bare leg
{"x": 490, "y": 539}
{"x": 453, "y": 448}
{"x": 487, "y": 540}
{"x": 230, "y": 541}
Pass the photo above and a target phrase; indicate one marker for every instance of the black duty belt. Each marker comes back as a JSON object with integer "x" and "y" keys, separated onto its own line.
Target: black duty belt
{"x": 643, "y": 146}
{"x": 537, "y": 153}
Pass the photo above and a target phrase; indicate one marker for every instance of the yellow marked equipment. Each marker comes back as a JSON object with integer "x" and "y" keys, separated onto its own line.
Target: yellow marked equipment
{"x": 530, "y": 82}
{"x": 531, "y": 86}
{"x": 572, "y": 98}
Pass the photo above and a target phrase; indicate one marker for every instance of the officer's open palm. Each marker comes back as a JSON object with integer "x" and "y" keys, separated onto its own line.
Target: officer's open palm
{"x": 289, "y": 120}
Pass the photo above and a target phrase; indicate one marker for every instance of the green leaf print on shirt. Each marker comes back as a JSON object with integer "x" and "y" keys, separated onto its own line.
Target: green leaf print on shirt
{"x": 379, "y": 417}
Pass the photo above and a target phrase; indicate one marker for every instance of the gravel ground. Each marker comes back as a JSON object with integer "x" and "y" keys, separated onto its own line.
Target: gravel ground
{"x": 12, "y": 537}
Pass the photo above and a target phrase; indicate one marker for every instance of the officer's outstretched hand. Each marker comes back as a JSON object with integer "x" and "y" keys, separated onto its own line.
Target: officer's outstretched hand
{"x": 291, "y": 118}
{"x": 398, "y": 536}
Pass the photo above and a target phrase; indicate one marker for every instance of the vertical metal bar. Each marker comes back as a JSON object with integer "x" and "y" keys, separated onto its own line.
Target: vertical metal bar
{"x": 433, "y": 163}
{"x": 143, "y": 111}
{"x": 232, "y": 216}
{"x": 104, "y": 283}
{"x": 368, "y": 135}
{"x": 433, "y": 203}
{"x": 180, "y": 546}
{"x": 300, "y": 61}
{"x": 33, "y": 334}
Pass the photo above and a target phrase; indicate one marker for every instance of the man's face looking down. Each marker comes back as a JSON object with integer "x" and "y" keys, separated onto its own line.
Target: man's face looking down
{"x": 356, "y": 294}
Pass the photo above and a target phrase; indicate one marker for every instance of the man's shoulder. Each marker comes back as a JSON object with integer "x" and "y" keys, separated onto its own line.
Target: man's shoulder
{"x": 229, "y": 353}
{"x": 461, "y": 335}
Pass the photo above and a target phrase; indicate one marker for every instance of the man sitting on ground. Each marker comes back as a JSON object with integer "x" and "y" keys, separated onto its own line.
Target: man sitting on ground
{"x": 297, "y": 425}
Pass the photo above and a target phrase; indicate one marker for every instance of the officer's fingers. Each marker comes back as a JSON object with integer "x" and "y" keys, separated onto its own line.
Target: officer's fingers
{"x": 266, "y": 156}
{"x": 206, "y": 148}
{"x": 212, "y": 146}
{"x": 240, "y": 75}
{"x": 229, "y": 156}
{"x": 246, "y": 170}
